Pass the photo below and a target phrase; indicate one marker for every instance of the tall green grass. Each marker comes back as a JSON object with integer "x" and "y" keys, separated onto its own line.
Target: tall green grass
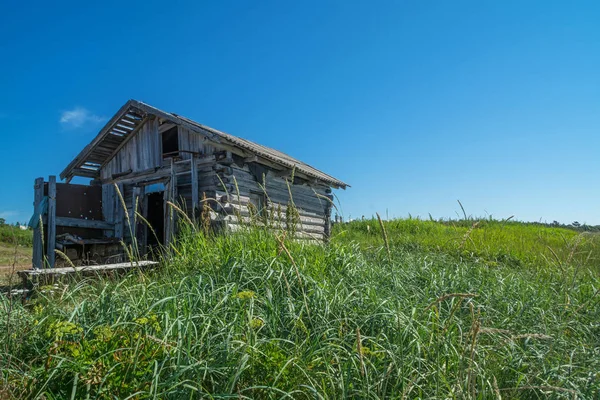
{"x": 14, "y": 235}
{"x": 250, "y": 315}
{"x": 489, "y": 242}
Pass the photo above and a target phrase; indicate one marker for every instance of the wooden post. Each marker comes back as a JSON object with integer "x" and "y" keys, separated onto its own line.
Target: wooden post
{"x": 167, "y": 214}
{"x": 138, "y": 193}
{"x": 327, "y": 228}
{"x": 195, "y": 192}
{"x": 119, "y": 213}
{"x": 108, "y": 207}
{"x": 170, "y": 214}
{"x": 51, "y": 221}
{"x": 38, "y": 249}
{"x": 144, "y": 230}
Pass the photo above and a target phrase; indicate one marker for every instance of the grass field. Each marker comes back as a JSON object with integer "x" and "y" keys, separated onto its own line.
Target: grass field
{"x": 427, "y": 310}
{"x": 15, "y": 251}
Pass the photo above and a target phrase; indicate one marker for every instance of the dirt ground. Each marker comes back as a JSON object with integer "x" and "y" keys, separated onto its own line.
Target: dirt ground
{"x": 21, "y": 257}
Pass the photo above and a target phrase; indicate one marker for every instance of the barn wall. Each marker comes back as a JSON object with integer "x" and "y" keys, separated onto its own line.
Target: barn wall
{"x": 310, "y": 201}
{"x": 141, "y": 152}
{"x": 190, "y": 141}
{"x": 235, "y": 185}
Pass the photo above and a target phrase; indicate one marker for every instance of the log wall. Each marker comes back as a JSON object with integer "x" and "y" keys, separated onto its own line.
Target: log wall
{"x": 311, "y": 201}
{"x": 231, "y": 180}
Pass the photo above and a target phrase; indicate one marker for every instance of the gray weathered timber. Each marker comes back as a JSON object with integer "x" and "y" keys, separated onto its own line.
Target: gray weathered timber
{"x": 37, "y": 274}
{"x": 83, "y": 223}
{"x": 135, "y": 111}
{"x": 195, "y": 190}
{"x": 51, "y": 220}
{"x": 119, "y": 211}
{"x": 38, "y": 240}
{"x": 151, "y": 169}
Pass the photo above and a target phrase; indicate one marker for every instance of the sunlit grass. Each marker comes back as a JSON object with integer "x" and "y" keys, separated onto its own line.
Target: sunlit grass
{"x": 489, "y": 241}
{"x": 245, "y": 316}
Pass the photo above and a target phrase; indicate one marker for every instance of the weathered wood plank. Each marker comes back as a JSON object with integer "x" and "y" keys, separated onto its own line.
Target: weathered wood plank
{"x": 83, "y": 223}
{"x": 119, "y": 212}
{"x": 195, "y": 192}
{"x": 33, "y": 273}
{"x": 51, "y": 221}
{"x": 38, "y": 246}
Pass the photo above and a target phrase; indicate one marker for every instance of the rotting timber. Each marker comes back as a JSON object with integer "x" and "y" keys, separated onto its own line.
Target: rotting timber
{"x": 144, "y": 161}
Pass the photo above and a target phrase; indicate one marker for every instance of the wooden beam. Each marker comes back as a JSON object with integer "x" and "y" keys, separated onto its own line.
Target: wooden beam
{"x": 156, "y": 173}
{"x": 35, "y": 274}
{"x": 51, "y": 221}
{"x": 165, "y": 127}
{"x": 282, "y": 174}
{"x": 170, "y": 213}
{"x": 83, "y": 223}
{"x": 119, "y": 212}
{"x": 38, "y": 240}
{"x": 144, "y": 231}
{"x": 67, "y": 172}
{"x": 86, "y": 173}
{"x": 195, "y": 189}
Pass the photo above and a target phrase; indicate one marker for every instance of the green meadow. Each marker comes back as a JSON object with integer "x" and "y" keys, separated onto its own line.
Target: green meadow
{"x": 470, "y": 309}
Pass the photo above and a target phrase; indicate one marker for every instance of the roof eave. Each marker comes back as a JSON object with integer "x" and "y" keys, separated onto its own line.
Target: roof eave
{"x": 214, "y": 136}
{"x": 67, "y": 173}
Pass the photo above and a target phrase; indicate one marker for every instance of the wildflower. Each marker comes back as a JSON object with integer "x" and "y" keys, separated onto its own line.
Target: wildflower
{"x": 58, "y": 329}
{"x": 257, "y": 323}
{"x": 151, "y": 321}
{"x": 246, "y": 294}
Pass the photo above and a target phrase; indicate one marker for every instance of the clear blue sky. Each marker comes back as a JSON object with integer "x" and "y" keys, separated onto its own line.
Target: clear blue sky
{"x": 414, "y": 103}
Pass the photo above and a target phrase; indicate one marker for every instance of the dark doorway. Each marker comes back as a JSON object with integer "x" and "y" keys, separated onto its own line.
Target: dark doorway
{"x": 155, "y": 216}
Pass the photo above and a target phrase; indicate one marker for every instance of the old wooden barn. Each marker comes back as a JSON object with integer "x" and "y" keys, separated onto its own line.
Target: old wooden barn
{"x": 156, "y": 158}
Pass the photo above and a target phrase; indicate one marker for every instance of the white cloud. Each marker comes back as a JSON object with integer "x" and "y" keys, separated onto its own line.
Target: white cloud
{"x": 79, "y": 117}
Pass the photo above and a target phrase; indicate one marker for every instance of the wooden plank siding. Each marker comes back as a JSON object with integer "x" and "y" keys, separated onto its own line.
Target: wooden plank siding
{"x": 310, "y": 201}
{"x": 202, "y": 170}
{"x": 143, "y": 151}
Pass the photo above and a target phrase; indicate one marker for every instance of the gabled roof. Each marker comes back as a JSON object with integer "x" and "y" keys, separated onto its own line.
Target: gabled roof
{"x": 130, "y": 118}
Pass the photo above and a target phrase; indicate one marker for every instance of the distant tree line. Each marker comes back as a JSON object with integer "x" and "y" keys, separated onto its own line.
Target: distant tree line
{"x": 576, "y": 226}
{"x": 3, "y": 223}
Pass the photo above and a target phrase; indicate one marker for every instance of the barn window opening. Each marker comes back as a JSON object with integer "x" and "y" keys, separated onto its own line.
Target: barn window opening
{"x": 170, "y": 143}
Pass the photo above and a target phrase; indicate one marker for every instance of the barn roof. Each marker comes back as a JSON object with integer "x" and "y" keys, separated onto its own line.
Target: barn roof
{"x": 130, "y": 118}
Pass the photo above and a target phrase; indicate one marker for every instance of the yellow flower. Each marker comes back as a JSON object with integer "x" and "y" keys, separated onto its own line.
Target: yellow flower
{"x": 151, "y": 321}
{"x": 246, "y": 294}
{"x": 60, "y": 328}
{"x": 257, "y": 323}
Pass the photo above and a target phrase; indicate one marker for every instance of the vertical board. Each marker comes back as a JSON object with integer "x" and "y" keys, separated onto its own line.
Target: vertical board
{"x": 38, "y": 246}
{"x": 108, "y": 207}
{"x": 119, "y": 213}
{"x": 144, "y": 227}
{"x": 142, "y": 151}
{"x": 195, "y": 192}
{"x": 51, "y": 220}
{"x": 170, "y": 214}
